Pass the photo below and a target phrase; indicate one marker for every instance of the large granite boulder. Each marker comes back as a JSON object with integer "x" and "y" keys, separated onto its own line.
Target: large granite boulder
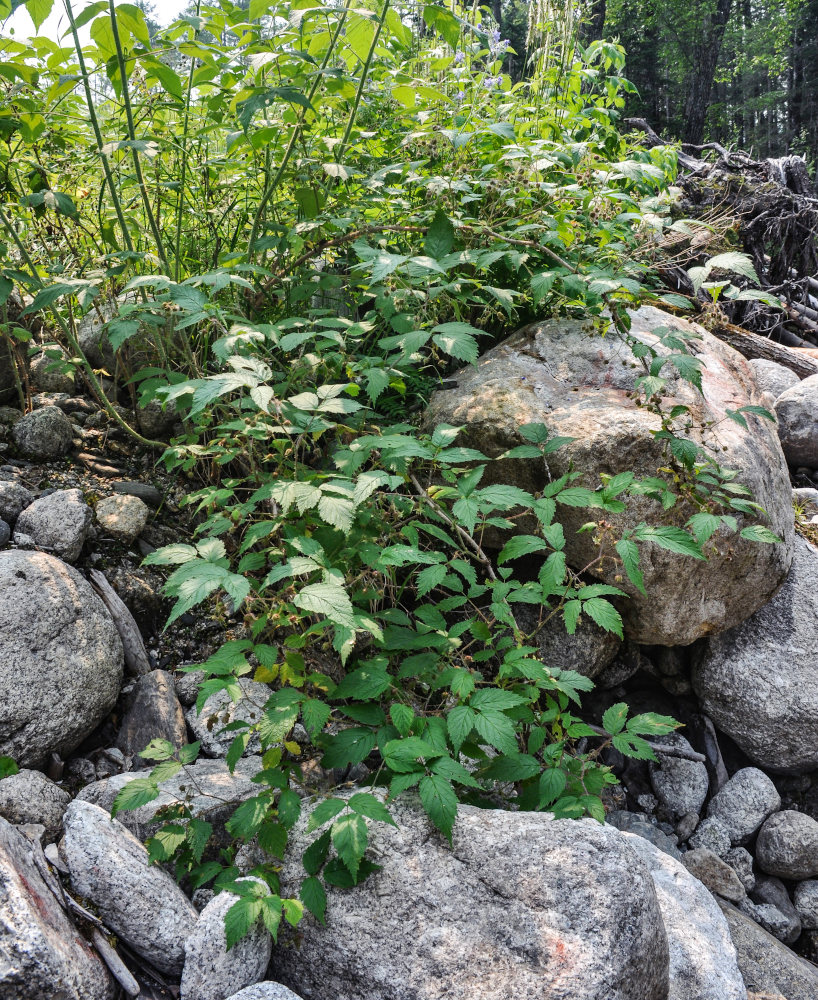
{"x": 702, "y": 957}
{"x": 42, "y": 955}
{"x": 61, "y": 658}
{"x": 758, "y": 681}
{"x": 521, "y": 905}
{"x": 140, "y": 902}
{"x": 580, "y": 384}
{"x": 58, "y": 522}
{"x": 797, "y": 413}
{"x": 44, "y": 433}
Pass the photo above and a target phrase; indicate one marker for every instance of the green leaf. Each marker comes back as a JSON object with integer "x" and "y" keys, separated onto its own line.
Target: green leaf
{"x": 444, "y": 22}
{"x": 248, "y": 817}
{"x": 460, "y": 722}
{"x": 136, "y": 793}
{"x": 8, "y": 766}
{"x": 350, "y": 746}
{"x": 272, "y": 838}
{"x": 365, "y": 804}
{"x": 520, "y": 545}
{"x": 633, "y": 746}
{"x": 440, "y": 236}
{"x": 604, "y": 614}
{"x": 402, "y": 717}
{"x": 324, "y": 812}
{"x": 511, "y": 767}
{"x": 758, "y": 533}
{"x": 652, "y": 724}
{"x": 613, "y": 721}
{"x": 316, "y": 854}
{"x": 458, "y": 340}
{"x": 430, "y": 578}
{"x": 405, "y": 754}
{"x": 240, "y": 918}
{"x": 440, "y": 802}
{"x": 552, "y": 785}
{"x": 629, "y": 554}
{"x": 38, "y": 11}
{"x": 315, "y": 715}
{"x": 672, "y": 539}
{"x": 289, "y": 807}
{"x": 704, "y": 526}
{"x": 570, "y": 615}
{"x": 350, "y": 837}
{"x": 364, "y": 683}
{"x": 330, "y": 600}
{"x": 576, "y": 496}
{"x": 497, "y": 730}
{"x": 314, "y": 897}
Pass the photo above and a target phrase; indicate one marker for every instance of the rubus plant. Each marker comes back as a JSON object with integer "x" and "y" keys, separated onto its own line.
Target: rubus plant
{"x": 314, "y": 213}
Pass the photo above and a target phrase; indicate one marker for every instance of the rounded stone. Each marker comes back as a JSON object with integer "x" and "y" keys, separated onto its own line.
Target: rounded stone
{"x": 61, "y": 658}
{"x": 797, "y": 412}
{"x": 58, "y": 522}
{"x": 219, "y": 711}
{"x": 44, "y": 433}
{"x": 582, "y": 385}
{"x": 30, "y": 797}
{"x": 265, "y": 991}
{"x": 680, "y": 785}
{"x": 45, "y": 373}
{"x": 772, "y": 379}
{"x": 716, "y": 874}
{"x": 5, "y": 532}
{"x": 712, "y": 834}
{"x": 787, "y": 846}
{"x": 805, "y": 899}
{"x": 14, "y": 498}
{"x": 758, "y": 682}
{"x": 212, "y": 972}
{"x": 140, "y": 902}
{"x": 123, "y": 517}
{"x": 743, "y": 803}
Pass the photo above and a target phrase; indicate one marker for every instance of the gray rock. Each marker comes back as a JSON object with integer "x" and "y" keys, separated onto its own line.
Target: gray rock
{"x": 702, "y": 957}
{"x": 140, "y": 902}
{"x": 741, "y": 861}
{"x": 520, "y": 905}
{"x": 686, "y": 825}
{"x": 207, "y": 787}
{"x": 61, "y": 659}
{"x": 773, "y": 892}
{"x": 42, "y": 955}
{"x": 787, "y": 846}
{"x": 806, "y": 495}
{"x": 5, "y": 532}
{"x": 154, "y": 420}
{"x": 772, "y": 379}
{"x": 219, "y": 711}
{"x": 588, "y": 651}
{"x": 265, "y": 991}
{"x": 45, "y": 375}
{"x": 796, "y": 410}
{"x": 122, "y": 517}
{"x": 14, "y": 498}
{"x": 713, "y": 835}
{"x": 716, "y": 874}
{"x": 58, "y": 522}
{"x": 44, "y": 433}
{"x": 212, "y": 972}
{"x": 757, "y": 681}
{"x": 187, "y": 686}
{"x": 147, "y": 494}
{"x": 581, "y": 385}
{"x": 768, "y": 916}
{"x": 635, "y": 823}
{"x": 8, "y": 383}
{"x": 805, "y": 899}
{"x": 742, "y": 805}
{"x": 153, "y": 712}
{"x": 30, "y": 797}
{"x": 680, "y": 785}
{"x": 766, "y": 964}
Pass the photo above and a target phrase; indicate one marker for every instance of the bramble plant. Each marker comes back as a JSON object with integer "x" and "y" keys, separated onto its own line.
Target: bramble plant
{"x": 313, "y": 214}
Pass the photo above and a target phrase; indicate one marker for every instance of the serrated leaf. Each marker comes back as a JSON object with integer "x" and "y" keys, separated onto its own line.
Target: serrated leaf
{"x": 136, "y": 793}
{"x": 324, "y": 812}
{"x": 570, "y": 615}
{"x": 759, "y": 533}
{"x": 652, "y": 724}
{"x": 316, "y": 854}
{"x": 315, "y": 715}
{"x": 629, "y": 554}
{"x": 405, "y": 754}
{"x": 704, "y": 526}
{"x": 460, "y": 722}
{"x": 457, "y": 340}
{"x": 365, "y": 804}
{"x": 350, "y": 746}
{"x": 327, "y": 599}
{"x": 497, "y": 730}
{"x": 672, "y": 539}
{"x": 364, "y": 683}
{"x": 431, "y": 577}
{"x": 552, "y": 785}
{"x": 350, "y": 837}
{"x": 240, "y": 918}
{"x": 402, "y": 717}
{"x": 613, "y": 720}
{"x": 314, "y": 898}
{"x": 604, "y": 614}
{"x": 440, "y": 802}
{"x": 272, "y": 838}
{"x": 633, "y": 746}
{"x": 511, "y": 767}
{"x": 520, "y": 545}
{"x": 439, "y": 236}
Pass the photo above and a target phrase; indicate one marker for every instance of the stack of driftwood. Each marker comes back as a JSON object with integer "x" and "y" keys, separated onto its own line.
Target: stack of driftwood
{"x": 772, "y": 206}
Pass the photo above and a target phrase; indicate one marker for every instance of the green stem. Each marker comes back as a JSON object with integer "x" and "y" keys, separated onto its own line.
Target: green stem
{"x": 126, "y": 100}
{"x": 73, "y": 343}
{"x": 362, "y": 83}
{"x": 181, "y": 205}
{"x": 273, "y": 185}
{"x": 106, "y": 166}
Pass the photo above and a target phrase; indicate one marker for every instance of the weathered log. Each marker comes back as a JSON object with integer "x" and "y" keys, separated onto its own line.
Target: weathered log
{"x": 751, "y": 345}
{"x": 118, "y": 969}
{"x": 136, "y": 656}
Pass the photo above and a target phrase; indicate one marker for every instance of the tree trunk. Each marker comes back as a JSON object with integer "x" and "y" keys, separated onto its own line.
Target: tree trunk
{"x": 705, "y": 62}
{"x": 593, "y": 27}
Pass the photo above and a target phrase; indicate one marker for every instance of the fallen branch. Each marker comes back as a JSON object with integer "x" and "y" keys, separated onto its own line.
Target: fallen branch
{"x": 751, "y": 345}
{"x": 660, "y": 748}
{"x": 136, "y": 656}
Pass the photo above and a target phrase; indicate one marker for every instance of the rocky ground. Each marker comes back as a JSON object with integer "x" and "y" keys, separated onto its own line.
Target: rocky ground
{"x": 703, "y": 883}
